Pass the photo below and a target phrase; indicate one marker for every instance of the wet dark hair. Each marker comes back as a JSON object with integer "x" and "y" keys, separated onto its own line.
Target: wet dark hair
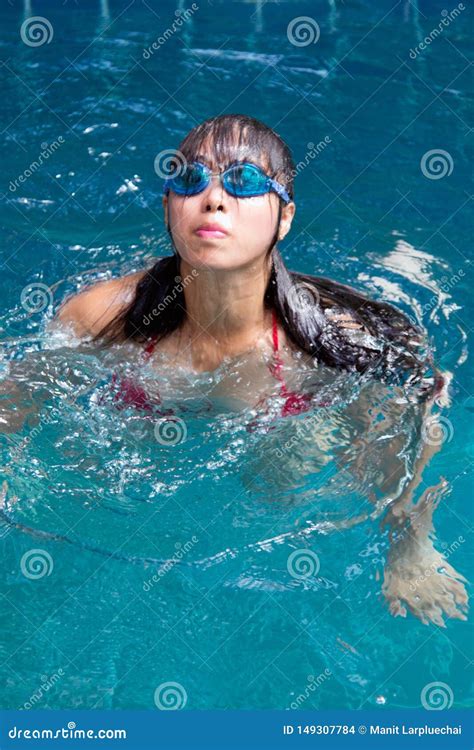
{"x": 387, "y": 343}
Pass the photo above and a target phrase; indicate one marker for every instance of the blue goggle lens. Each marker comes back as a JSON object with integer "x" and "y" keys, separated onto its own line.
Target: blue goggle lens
{"x": 241, "y": 180}
{"x": 245, "y": 180}
{"x": 190, "y": 179}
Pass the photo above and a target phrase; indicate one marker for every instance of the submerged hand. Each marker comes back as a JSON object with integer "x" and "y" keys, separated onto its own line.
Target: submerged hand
{"x": 426, "y": 583}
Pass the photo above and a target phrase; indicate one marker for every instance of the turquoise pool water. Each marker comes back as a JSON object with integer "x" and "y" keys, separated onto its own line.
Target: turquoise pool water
{"x": 132, "y": 562}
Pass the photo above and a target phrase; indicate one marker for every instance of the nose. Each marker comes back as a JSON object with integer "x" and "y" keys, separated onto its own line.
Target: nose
{"x": 214, "y": 196}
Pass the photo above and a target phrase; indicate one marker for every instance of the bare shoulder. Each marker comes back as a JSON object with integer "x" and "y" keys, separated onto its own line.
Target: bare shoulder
{"x": 90, "y": 310}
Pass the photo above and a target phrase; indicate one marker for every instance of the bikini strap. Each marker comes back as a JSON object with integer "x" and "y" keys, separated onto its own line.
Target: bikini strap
{"x": 274, "y": 331}
{"x": 277, "y": 365}
{"x": 149, "y": 348}
{"x": 295, "y": 402}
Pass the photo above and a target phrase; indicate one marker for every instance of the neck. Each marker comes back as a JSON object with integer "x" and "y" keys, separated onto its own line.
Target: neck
{"x": 225, "y": 308}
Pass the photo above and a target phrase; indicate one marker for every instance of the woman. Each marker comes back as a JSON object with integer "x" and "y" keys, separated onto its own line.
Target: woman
{"x": 226, "y": 292}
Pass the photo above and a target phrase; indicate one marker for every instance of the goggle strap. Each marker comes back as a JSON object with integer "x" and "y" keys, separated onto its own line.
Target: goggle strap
{"x": 280, "y": 190}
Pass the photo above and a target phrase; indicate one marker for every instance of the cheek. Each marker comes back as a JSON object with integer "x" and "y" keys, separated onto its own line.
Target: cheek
{"x": 183, "y": 217}
{"x": 255, "y": 220}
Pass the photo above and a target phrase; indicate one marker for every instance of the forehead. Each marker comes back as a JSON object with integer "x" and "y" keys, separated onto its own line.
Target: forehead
{"x": 221, "y": 166}
{"x": 219, "y": 159}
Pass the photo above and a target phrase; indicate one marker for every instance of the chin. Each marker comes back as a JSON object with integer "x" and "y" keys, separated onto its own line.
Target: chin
{"x": 216, "y": 264}
{"x": 215, "y": 256}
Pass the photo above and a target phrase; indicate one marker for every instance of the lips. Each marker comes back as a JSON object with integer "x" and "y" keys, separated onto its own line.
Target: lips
{"x": 211, "y": 230}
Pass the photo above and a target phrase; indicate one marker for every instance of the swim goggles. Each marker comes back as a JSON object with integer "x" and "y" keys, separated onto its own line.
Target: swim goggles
{"x": 241, "y": 179}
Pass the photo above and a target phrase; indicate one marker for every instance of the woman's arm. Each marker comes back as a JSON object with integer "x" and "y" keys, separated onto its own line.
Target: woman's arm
{"x": 21, "y": 394}
{"x": 416, "y": 575}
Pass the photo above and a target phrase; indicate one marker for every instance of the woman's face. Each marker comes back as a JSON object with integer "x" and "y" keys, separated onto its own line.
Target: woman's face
{"x": 248, "y": 225}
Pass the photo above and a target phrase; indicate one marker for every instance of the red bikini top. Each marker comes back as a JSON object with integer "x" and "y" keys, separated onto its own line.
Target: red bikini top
{"x": 294, "y": 402}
